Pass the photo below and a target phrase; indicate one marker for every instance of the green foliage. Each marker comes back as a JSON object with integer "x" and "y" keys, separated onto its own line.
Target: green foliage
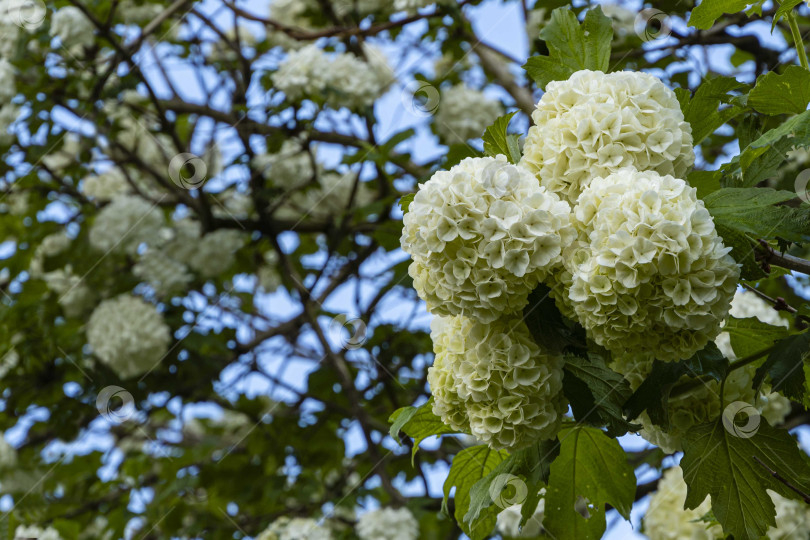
{"x": 523, "y": 473}
{"x": 758, "y": 212}
{"x": 784, "y": 8}
{"x": 708, "y": 11}
{"x": 703, "y": 111}
{"x": 468, "y": 467}
{"x": 572, "y": 47}
{"x": 718, "y": 463}
{"x": 498, "y": 141}
{"x": 596, "y": 393}
{"x": 784, "y": 366}
{"x": 418, "y": 423}
{"x": 750, "y": 336}
{"x": 785, "y": 93}
{"x": 591, "y": 471}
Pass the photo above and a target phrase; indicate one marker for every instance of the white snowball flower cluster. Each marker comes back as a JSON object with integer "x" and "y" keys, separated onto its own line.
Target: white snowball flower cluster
{"x": 699, "y": 405}
{"x": 508, "y": 521}
{"x": 291, "y": 167}
{"x": 666, "y": 518}
{"x": 482, "y": 235}
{"x": 164, "y": 274}
{"x": 624, "y": 21}
{"x": 535, "y": 21}
{"x": 8, "y": 86}
{"x": 331, "y": 197}
{"x": 495, "y": 382}
{"x": 128, "y": 334}
{"x": 215, "y": 252}
{"x": 285, "y": 528}
{"x": 388, "y": 524}
{"x": 73, "y": 29}
{"x": 75, "y": 296}
{"x": 464, "y": 113}
{"x": 105, "y": 186}
{"x": 654, "y": 276}
{"x": 124, "y": 224}
{"x": 340, "y": 79}
{"x": 593, "y": 124}
{"x": 23, "y": 532}
{"x": 8, "y": 115}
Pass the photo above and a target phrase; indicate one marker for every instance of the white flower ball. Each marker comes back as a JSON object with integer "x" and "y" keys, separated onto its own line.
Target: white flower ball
{"x": 285, "y": 528}
{"x": 72, "y": 28}
{"x": 215, "y": 252}
{"x": 163, "y": 273}
{"x": 124, "y": 224}
{"x": 388, "y": 524}
{"x": 508, "y": 521}
{"x": 8, "y": 454}
{"x": 666, "y": 518}
{"x": 464, "y": 113}
{"x": 654, "y": 276}
{"x": 482, "y": 236}
{"x": 341, "y": 79}
{"x": 509, "y": 389}
{"x": 128, "y": 334}
{"x": 105, "y": 186}
{"x": 593, "y": 124}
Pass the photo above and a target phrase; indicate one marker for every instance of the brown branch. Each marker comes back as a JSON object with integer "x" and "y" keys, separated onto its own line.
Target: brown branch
{"x": 782, "y": 479}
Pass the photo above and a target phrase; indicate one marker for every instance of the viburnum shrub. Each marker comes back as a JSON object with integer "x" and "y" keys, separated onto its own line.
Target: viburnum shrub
{"x": 612, "y": 298}
{"x": 404, "y": 269}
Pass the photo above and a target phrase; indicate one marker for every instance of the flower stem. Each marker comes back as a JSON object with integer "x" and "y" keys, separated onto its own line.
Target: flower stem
{"x": 797, "y": 39}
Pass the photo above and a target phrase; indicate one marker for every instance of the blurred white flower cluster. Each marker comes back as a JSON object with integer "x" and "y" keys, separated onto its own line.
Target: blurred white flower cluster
{"x": 667, "y": 519}
{"x": 339, "y": 79}
{"x": 128, "y": 334}
{"x": 482, "y": 236}
{"x": 23, "y": 532}
{"x": 508, "y": 521}
{"x": 493, "y": 381}
{"x": 285, "y": 528}
{"x": 464, "y": 113}
{"x": 593, "y": 124}
{"x": 388, "y": 524}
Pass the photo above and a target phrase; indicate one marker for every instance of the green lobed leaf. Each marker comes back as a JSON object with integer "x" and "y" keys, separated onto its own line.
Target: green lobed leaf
{"x": 591, "y": 467}
{"x": 572, "y": 47}
{"x": 653, "y": 394}
{"x": 498, "y": 141}
{"x": 549, "y": 328}
{"x": 742, "y": 250}
{"x": 405, "y": 202}
{"x": 720, "y": 463}
{"x": 704, "y": 181}
{"x": 523, "y": 473}
{"x": 468, "y": 467}
{"x": 708, "y": 11}
{"x": 596, "y": 393}
{"x": 703, "y": 111}
{"x": 750, "y": 335}
{"x": 785, "y": 93}
{"x": 419, "y": 423}
{"x": 783, "y": 10}
{"x": 707, "y": 361}
{"x": 457, "y": 152}
{"x": 784, "y": 366}
{"x": 754, "y": 211}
